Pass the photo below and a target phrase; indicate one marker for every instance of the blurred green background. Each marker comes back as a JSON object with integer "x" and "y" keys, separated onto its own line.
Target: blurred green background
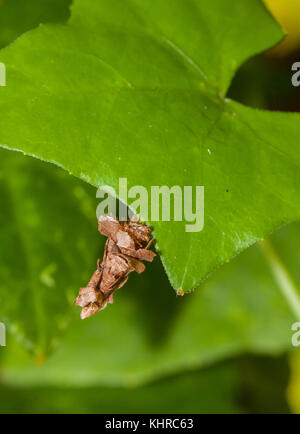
{"x": 226, "y": 348}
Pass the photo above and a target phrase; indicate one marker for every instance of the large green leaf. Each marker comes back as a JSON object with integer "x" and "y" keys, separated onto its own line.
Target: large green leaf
{"x": 47, "y": 219}
{"x": 148, "y": 332}
{"x": 136, "y": 89}
{"x": 247, "y": 384}
{"x": 212, "y": 390}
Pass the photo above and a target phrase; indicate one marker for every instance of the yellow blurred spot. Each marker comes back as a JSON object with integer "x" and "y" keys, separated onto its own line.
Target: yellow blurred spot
{"x": 180, "y": 292}
{"x": 287, "y": 12}
{"x": 40, "y": 359}
{"x": 293, "y": 393}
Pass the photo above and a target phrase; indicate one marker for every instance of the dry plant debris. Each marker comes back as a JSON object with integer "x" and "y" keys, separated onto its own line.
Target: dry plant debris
{"x": 126, "y": 247}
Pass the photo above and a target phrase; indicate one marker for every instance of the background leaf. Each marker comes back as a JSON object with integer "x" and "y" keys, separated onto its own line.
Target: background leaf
{"x": 294, "y": 386}
{"x": 148, "y": 332}
{"x": 18, "y": 16}
{"x": 248, "y": 384}
{"x": 187, "y": 393}
{"x": 263, "y": 384}
{"x": 47, "y": 248}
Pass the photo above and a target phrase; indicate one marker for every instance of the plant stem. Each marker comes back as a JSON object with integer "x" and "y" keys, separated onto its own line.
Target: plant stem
{"x": 282, "y": 277}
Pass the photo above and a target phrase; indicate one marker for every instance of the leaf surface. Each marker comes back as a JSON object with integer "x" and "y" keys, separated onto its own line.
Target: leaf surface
{"x": 137, "y": 90}
{"x": 18, "y": 16}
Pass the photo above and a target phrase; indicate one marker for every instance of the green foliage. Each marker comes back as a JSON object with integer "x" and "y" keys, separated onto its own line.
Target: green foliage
{"x": 69, "y": 101}
{"x": 48, "y": 247}
{"x": 48, "y": 220}
{"x": 263, "y": 384}
{"x": 148, "y": 332}
{"x": 18, "y": 16}
{"x": 187, "y": 393}
{"x": 138, "y": 90}
{"x": 252, "y": 384}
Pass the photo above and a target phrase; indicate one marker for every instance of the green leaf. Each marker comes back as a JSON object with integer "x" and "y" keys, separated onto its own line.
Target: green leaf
{"x": 148, "y": 333}
{"x": 263, "y": 384}
{"x": 47, "y": 248}
{"x": 37, "y": 314}
{"x": 137, "y": 90}
{"x": 210, "y": 391}
{"x": 294, "y": 385}
{"x": 38, "y": 275}
{"x": 18, "y": 16}
{"x": 248, "y": 385}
